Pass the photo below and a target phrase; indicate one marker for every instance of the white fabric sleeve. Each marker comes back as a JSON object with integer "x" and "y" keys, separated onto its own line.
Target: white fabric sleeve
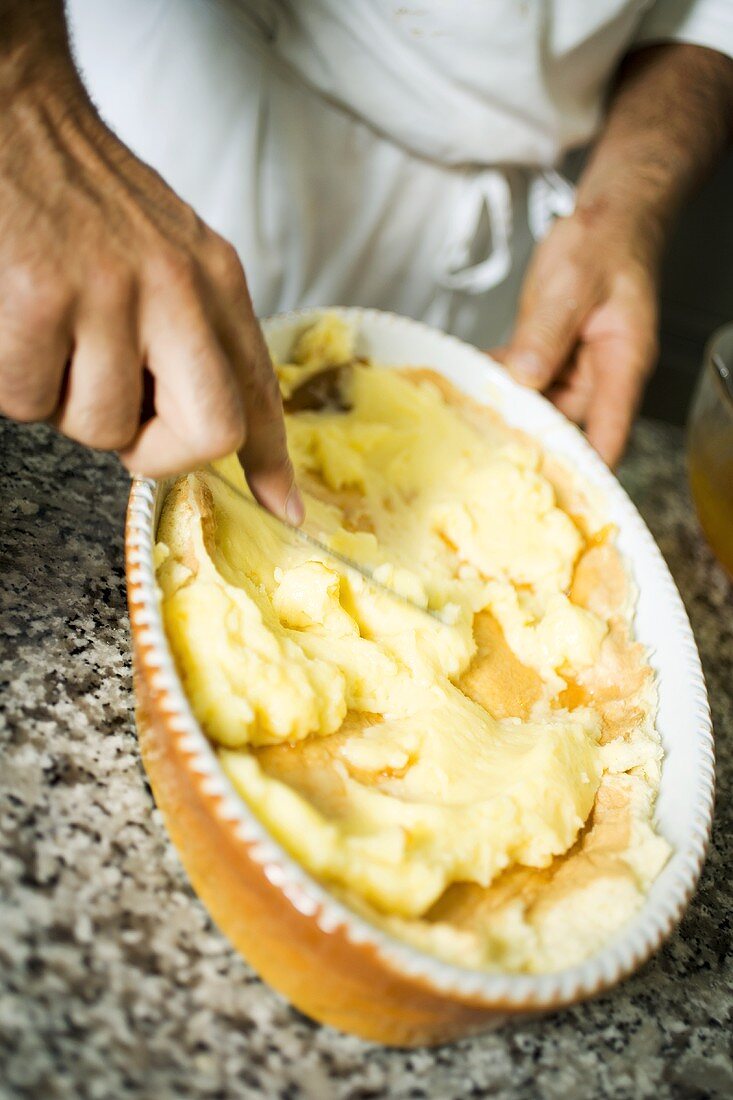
{"x": 699, "y": 22}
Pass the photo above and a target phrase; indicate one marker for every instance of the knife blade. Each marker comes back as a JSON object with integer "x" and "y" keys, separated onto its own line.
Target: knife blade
{"x": 304, "y": 538}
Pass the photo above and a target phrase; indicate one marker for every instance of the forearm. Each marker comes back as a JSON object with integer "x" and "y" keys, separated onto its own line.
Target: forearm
{"x": 669, "y": 120}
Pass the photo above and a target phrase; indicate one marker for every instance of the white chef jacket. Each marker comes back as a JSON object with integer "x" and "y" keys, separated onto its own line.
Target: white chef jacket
{"x": 372, "y": 153}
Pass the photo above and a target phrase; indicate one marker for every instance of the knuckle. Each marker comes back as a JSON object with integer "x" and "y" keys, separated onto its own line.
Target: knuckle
{"x": 541, "y": 328}
{"x": 100, "y": 428}
{"x": 222, "y": 435}
{"x": 30, "y": 380}
{"x": 26, "y": 405}
{"x": 106, "y": 420}
{"x": 113, "y": 281}
{"x": 542, "y": 331}
{"x": 176, "y": 269}
{"x": 226, "y": 267}
{"x": 82, "y": 424}
{"x": 642, "y": 344}
{"x": 116, "y": 435}
{"x": 263, "y": 393}
{"x": 32, "y": 300}
{"x": 569, "y": 274}
{"x": 229, "y": 433}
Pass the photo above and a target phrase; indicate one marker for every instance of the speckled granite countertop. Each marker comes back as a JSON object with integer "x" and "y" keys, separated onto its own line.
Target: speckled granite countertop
{"x": 113, "y": 981}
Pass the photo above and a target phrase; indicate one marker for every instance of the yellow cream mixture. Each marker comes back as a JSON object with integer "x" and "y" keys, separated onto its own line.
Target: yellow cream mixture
{"x": 393, "y": 752}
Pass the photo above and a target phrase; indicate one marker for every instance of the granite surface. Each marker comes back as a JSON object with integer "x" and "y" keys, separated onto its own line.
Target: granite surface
{"x": 113, "y": 981}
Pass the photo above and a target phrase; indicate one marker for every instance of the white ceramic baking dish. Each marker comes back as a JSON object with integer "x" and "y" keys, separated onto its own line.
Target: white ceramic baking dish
{"x": 331, "y": 963}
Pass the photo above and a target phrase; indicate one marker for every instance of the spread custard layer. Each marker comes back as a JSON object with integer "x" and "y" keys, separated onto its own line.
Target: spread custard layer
{"x": 480, "y": 781}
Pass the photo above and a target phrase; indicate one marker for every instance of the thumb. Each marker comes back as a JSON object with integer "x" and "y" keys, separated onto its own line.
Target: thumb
{"x": 544, "y": 338}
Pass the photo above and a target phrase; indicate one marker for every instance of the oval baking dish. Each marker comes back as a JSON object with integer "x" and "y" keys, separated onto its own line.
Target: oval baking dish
{"x": 331, "y": 963}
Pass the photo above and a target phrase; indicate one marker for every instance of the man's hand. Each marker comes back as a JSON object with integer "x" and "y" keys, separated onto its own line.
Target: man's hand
{"x": 106, "y": 276}
{"x": 586, "y": 327}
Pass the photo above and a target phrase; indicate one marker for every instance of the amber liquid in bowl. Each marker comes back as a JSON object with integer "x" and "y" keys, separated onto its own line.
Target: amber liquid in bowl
{"x": 711, "y": 479}
{"x": 710, "y": 448}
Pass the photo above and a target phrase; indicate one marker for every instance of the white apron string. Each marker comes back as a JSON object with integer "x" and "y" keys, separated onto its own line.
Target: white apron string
{"x": 549, "y": 196}
{"x": 488, "y": 192}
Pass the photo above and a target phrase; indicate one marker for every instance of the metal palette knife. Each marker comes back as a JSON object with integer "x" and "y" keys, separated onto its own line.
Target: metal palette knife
{"x": 297, "y": 536}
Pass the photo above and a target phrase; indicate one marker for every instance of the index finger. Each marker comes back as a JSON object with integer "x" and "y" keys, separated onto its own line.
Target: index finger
{"x": 264, "y": 453}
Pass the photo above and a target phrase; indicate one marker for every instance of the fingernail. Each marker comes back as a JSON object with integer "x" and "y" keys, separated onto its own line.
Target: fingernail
{"x": 294, "y": 507}
{"x": 526, "y": 367}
